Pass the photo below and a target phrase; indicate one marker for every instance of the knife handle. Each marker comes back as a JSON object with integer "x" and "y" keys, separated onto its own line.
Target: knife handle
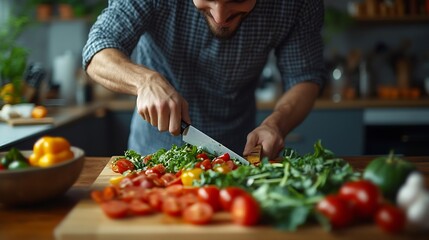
{"x": 183, "y": 126}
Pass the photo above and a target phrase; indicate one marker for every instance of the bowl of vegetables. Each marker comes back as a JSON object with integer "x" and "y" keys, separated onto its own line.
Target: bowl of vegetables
{"x": 22, "y": 182}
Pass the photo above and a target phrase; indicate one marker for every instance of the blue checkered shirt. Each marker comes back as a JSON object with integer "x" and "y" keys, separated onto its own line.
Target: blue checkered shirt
{"x": 217, "y": 77}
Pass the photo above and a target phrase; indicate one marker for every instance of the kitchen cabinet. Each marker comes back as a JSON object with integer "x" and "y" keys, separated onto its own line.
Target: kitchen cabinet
{"x": 341, "y": 131}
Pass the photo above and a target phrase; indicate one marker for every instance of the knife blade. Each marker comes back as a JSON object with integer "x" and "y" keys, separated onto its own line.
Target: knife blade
{"x": 195, "y": 137}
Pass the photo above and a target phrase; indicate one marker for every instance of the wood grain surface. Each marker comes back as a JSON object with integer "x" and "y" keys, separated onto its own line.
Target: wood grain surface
{"x": 87, "y": 221}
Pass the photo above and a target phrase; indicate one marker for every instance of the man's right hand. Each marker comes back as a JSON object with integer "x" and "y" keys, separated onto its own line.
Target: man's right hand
{"x": 157, "y": 100}
{"x": 160, "y": 104}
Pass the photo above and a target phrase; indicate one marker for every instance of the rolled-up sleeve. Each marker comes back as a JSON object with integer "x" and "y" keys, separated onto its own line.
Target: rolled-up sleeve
{"x": 300, "y": 56}
{"x": 119, "y": 26}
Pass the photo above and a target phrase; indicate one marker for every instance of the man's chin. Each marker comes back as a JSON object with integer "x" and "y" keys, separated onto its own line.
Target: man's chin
{"x": 222, "y": 33}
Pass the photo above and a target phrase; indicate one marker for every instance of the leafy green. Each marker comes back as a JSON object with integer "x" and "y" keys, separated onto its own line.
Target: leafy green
{"x": 174, "y": 159}
{"x": 288, "y": 190}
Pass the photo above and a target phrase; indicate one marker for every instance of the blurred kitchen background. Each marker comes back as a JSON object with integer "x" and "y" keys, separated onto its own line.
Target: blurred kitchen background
{"x": 376, "y": 99}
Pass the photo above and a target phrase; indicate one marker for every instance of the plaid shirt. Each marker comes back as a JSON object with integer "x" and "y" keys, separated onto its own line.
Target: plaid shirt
{"x": 217, "y": 77}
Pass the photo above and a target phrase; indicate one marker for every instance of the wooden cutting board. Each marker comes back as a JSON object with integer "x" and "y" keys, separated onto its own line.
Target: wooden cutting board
{"x": 30, "y": 121}
{"x": 87, "y": 221}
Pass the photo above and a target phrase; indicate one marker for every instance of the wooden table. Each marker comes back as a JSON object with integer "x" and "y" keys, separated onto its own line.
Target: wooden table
{"x": 39, "y": 222}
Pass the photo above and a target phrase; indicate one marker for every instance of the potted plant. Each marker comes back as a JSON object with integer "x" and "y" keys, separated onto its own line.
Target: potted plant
{"x": 44, "y": 9}
{"x": 13, "y": 61}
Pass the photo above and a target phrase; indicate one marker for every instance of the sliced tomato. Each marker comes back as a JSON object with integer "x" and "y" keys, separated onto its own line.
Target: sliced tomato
{"x": 231, "y": 164}
{"x": 109, "y": 193}
{"x": 364, "y": 196}
{"x": 337, "y": 210}
{"x": 174, "y": 190}
{"x": 390, "y": 218}
{"x": 210, "y": 195}
{"x": 172, "y": 206}
{"x": 115, "y": 208}
{"x": 97, "y": 196}
{"x": 167, "y": 178}
{"x": 121, "y": 165}
{"x": 138, "y": 207}
{"x": 187, "y": 200}
{"x": 198, "y": 213}
{"x": 245, "y": 210}
{"x": 155, "y": 200}
{"x": 228, "y": 195}
{"x": 217, "y": 161}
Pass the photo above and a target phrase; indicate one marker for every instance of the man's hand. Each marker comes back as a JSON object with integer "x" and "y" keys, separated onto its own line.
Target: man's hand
{"x": 269, "y": 137}
{"x": 161, "y": 105}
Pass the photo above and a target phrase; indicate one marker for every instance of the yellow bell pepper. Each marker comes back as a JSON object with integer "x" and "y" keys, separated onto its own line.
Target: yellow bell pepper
{"x": 48, "y": 151}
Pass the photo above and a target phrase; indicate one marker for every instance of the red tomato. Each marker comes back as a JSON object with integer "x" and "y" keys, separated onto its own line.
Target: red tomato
{"x": 115, "y": 208}
{"x": 206, "y": 164}
{"x": 364, "y": 196}
{"x": 159, "y": 169}
{"x": 174, "y": 190}
{"x": 337, "y": 210}
{"x": 122, "y": 165}
{"x": 167, "y": 178}
{"x": 198, "y": 213}
{"x": 155, "y": 200}
{"x": 198, "y": 164}
{"x": 231, "y": 164}
{"x": 224, "y": 157}
{"x": 245, "y": 210}
{"x": 201, "y": 156}
{"x": 172, "y": 206}
{"x": 390, "y": 218}
{"x": 138, "y": 207}
{"x": 228, "y": 195}
{"x": 210, "y": 195}
{"x": 2, "y": 167}
{"x": 187, "y": 200}
{"x": 217, "y": 161}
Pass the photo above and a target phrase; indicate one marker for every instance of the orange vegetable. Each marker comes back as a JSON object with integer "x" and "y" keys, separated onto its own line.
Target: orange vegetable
{"x": 48, "y": 151}
{"x": 39, "y": 112}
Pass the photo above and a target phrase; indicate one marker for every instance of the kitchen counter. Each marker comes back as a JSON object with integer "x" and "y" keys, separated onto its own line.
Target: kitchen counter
{"x": 39, "y": 222}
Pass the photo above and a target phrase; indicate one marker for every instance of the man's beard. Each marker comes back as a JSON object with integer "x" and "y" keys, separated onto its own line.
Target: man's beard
{"x": 223, "y": 33}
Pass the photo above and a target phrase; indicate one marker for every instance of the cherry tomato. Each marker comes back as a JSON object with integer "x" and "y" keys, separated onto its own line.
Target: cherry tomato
{"x": 231, "y": 164}
{"x": 198, "y": 213}
{"x": 224, "y": 157}
{"x": 364, "y": 196}
{"x": 217, "y": 161}
{"x": 115, "y": 208}
{"x": 172, "y": 206}
{"x": 210, "y": 195}
{"x": 138, "y": 207}
{"x": 228, "y": 195}
{"x": 122, "y": 165}
{"x": 158, "y": 169}
{"x": 245, "y": 210}
{"x": 201, "y": 156}
{"x": 338, "y": 210}
{"x": 390, "y": 218}
{"x": 206, "y": 164}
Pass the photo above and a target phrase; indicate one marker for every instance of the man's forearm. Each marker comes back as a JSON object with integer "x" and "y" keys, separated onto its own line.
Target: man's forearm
{"x": 293, "y": 106}
{"x": 114, "y": 70}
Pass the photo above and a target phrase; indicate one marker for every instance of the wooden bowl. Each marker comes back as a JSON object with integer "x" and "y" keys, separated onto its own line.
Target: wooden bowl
{"x": 35, "y": 184}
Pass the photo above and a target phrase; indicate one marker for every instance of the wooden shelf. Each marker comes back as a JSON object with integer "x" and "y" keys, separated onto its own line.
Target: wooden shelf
{"x": 404, "y": 19}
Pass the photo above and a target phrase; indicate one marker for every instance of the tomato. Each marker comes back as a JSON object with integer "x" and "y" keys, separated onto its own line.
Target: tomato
{"x": 245, "y": 210}
{"x": 2, "y": 167}
{"x": 167, "y": 178}
{"x": 217, "y": 161}
{"x": 231, "y": 164}
{"x": 390, "y": 218}
{"x": 206, "y": 164}
{"x": 138, "y": 207}
{"x": 109, "y": 193}
{"x": 338, "y": 210}
{"x": 115, "y": 208}
{"x": 155, "y": 201}
{"x": 224, "y": 157}
{"x": 189, "y": 176}
{"x": 201, "y": 156}
{"x": 122, "y": 165}
{"x": 172, "y": 206}
{"x": 228, "y": 195}
{"x": 39, "y": 112}
{"x": 198, "y": 213}
{"x": 210, "y": 195}
{"x": 364, "y": 196}
{"x": 159, "y": 169}
{"x": 97, "y": 196}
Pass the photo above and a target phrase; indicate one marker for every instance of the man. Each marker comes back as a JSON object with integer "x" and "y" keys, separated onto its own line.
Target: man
{"x": 200, "y": 61}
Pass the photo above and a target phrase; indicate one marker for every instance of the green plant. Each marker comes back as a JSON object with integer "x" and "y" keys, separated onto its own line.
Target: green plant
{"x": 336, "y": 21}
{"x": 13, "y": 58}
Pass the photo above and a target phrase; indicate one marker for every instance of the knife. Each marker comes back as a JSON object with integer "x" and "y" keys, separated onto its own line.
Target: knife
{"x": 195, "y": 137}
